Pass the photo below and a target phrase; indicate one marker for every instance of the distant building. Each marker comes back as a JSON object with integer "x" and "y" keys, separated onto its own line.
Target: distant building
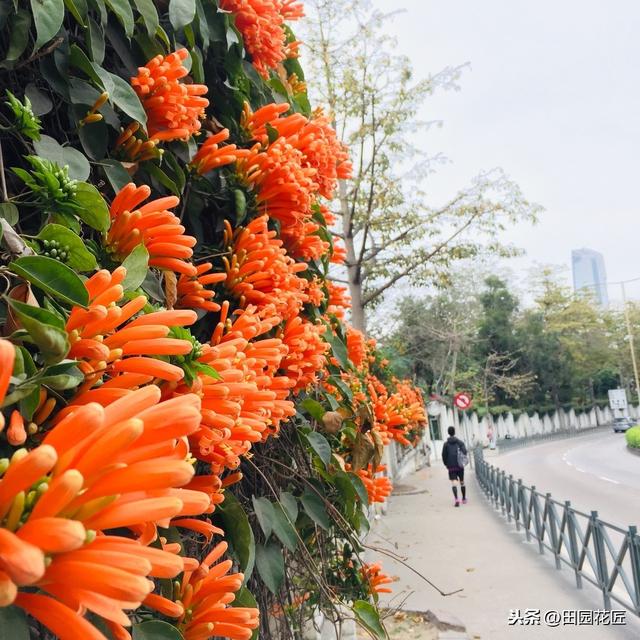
{"x": 589, "y": 273}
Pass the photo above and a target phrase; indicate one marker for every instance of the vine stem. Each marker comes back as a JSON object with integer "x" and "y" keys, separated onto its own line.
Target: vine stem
{"x": 3, "y": 182}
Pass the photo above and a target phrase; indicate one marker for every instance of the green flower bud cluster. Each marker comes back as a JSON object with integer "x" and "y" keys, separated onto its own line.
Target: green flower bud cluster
{"x": 53, "y": 249}
{"x": 50, "y": 182}
{"x": 26, "y": 122}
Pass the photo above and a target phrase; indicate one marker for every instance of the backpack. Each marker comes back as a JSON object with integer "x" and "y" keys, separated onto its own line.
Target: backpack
{"x": 463, "y": 458}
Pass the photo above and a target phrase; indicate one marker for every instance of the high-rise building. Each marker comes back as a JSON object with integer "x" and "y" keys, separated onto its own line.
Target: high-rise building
{"x": 589, "y": 274}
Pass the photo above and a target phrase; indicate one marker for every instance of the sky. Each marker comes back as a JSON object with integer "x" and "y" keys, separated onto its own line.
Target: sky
{"x": 551, "y": 95}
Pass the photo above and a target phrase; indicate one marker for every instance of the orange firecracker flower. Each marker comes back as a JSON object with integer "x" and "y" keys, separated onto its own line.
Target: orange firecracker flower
{"x": 97, "y": 469}
{"x": 261, "y": 273}
{"x": 378, "y": 486}
{"x": 356, "y": 347}
{"x": 261, "y": 23}
{"x": 211, "y": 155}
{"x": 174, "y": 109}
{"x": 205, "y": 595}
{"x": 192, "y": 291}
{"x": 373, "y": 576}
{"x": 339, "y": 300}
{"x": 108, "y": 340}
{"x": 7, "y": 357}
{"x": 152, "y": 225}
{"x": 307, "y": 349}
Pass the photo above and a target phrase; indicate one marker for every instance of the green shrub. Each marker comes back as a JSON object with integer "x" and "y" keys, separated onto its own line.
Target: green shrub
{"x": 633, "y": 437}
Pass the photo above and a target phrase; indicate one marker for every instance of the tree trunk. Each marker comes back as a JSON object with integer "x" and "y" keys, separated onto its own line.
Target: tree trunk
{"x": 358, "y": 318}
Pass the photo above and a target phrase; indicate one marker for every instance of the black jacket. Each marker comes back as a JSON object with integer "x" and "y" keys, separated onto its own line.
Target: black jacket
{"x": 450, "y": 452}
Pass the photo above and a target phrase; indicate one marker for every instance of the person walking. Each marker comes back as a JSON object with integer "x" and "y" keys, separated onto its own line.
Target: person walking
{"x": 454, "y": 456}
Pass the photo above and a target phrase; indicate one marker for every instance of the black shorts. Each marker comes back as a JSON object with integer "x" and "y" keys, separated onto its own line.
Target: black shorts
{"x": 456, "y": 474}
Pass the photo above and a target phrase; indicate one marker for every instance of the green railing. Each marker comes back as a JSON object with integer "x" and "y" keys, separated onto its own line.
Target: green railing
{"x": 504, "y": 444}
{"x": 603, "y": 554}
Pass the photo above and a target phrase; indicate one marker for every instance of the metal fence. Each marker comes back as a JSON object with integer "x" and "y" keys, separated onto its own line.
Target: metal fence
{"x": 504, "y": 444}
{"x": 603, "y": 554}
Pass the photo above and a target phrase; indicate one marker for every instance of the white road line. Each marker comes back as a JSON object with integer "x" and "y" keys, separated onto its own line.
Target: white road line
{"x": 580, "y": 470}
{"x": 608, "y": 479}
{"x": 569, "y": 463}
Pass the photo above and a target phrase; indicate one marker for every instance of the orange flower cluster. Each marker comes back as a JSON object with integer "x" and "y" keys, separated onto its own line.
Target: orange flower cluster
{"x": 356, "y": 347}
{"x": 373, "y": 576}
{"x": 173, "y": 108}
{"x": 261, "y": 24}
{"x": 204, "y": 595}
{"x": 378, "y": 486}
{"x": 152, "y": 225}
{"x": 98, "y": 469}
{"x": 7, "y": 356}
{"x": 339, "y": 300}
{"x": 107, "y": 341}
{"x": 306, "y": 356}
{"x": 261, "y": 273}
{"x": 192, "y": 291}
{"x": 211, "y": 155}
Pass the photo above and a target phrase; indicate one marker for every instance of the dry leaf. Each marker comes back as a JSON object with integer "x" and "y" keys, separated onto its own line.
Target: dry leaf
{"x": 332, "y": 421}
{"x": 170, "y": 288}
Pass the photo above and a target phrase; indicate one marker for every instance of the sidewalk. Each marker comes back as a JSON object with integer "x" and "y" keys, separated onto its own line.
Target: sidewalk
{"x": 474, "y": 549}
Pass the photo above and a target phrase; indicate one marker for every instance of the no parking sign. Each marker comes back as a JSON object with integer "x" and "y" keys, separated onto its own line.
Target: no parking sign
{"x": 462, "y": 400}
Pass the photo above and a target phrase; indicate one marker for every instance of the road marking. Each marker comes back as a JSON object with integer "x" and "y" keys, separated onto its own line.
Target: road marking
{"x": 580, "y": 470}
{"x": 608, "y": 479}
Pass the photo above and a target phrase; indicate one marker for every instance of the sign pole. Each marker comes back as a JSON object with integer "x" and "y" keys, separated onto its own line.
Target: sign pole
{"x": 631, "y": 345}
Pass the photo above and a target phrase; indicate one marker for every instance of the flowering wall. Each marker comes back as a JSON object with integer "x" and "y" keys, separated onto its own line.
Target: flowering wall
{"x": 191, "y": 435}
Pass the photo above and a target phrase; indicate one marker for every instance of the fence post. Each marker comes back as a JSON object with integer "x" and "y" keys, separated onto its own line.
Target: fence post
{"x": 634, "y": 556}
{"x": 573, "y": 543}
{"x": 601, "y": 558}
{"x": 553, "y": 530}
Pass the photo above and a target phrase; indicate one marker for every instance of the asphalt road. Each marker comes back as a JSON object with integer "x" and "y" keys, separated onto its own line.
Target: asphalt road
{"x": 595, "y": 472}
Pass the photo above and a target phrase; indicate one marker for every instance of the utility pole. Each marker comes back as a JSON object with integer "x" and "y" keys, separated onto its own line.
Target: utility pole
{"x": 631, "y": 343}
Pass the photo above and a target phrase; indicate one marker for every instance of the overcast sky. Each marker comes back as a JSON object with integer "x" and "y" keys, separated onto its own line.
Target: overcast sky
{"x": 552, "y": 96}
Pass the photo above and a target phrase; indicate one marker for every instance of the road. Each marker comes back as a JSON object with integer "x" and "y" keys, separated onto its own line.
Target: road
{"x": 595, "y": 472}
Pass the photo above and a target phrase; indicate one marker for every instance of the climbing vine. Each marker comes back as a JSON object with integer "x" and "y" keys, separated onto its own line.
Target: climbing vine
{"x": 192, "y": 436}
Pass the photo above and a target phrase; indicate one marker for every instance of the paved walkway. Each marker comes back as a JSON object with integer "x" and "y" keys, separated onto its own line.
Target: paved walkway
{"x": 474, "y": 549}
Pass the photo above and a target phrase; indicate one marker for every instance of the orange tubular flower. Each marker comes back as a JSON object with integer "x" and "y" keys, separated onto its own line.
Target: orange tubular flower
{"x": 378, "y": 487}
{"x": 373, "y": 576}
{"x": 306, "y": 357}
{"x": 123, "y": 466}
{"x": 173, "y": 108}
{"x": 192, "y": 293}
{"x": 261, "y": 273}
{"x": 107, "y": 341}
{"x": 356, "y": 347}
{"x": 152, "y": 225}
{"x": 7, "y": 357}
{"x": 339, "y": 300}
{"x": 261, "y": 24}
{"x": 206, "y": 593}
{"x": 211, "y": 155}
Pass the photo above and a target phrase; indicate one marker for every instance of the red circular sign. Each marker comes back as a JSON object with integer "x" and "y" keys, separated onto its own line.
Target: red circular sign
{"x": 462, "y": 400}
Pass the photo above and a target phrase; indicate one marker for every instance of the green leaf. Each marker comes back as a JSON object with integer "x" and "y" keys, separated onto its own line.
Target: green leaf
{"x": 147, "y": 10}
{"x": 9, "y": 212}
{"x": 320, "y": 445}
{"x": 290, "y": 505}
{"x": 92, "y": 208}
{"x": 314, "y": 508}
{"x": 94, "y": 138}
{"x": 96, "y": 41}
{"x": 238, "y": 532}
{"x": 137, "y": 265}
{"x": 181, "y": 13}
{"x": 367, "y": 615}
{"x": 78, "y": 9}
{"x": 264, "y": 513}
{"x": 338, "y": 348}
{"x": 40, "y": 102}
{"x": 48, "y": 16}
{"x": 126, "y": 99}
{"x": 62, "y": 376}
{"x": 19, "y": 30}
{"x": 116, "y": 174}
{"x": 270, "y": 565}
{"x": 283, "y": 528}
{"x": 79, "y": 257}
{"x": 313, "y": 407}
{"x": 13, "y": 624}
{"x": 53, "y": 277}
{"x": 156, "y": 630}
{"x": 361, "y": 490}
{"x": 45, "y": 328}
{"x": 29, "y": 404}
{"x": 122, "y": 9}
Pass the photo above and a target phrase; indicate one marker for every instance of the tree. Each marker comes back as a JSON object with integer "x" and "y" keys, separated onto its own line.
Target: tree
{"x": 390, "y": 230}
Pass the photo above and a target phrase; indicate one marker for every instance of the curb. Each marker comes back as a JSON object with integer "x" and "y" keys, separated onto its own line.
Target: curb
{"x": 634, "y": 450}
